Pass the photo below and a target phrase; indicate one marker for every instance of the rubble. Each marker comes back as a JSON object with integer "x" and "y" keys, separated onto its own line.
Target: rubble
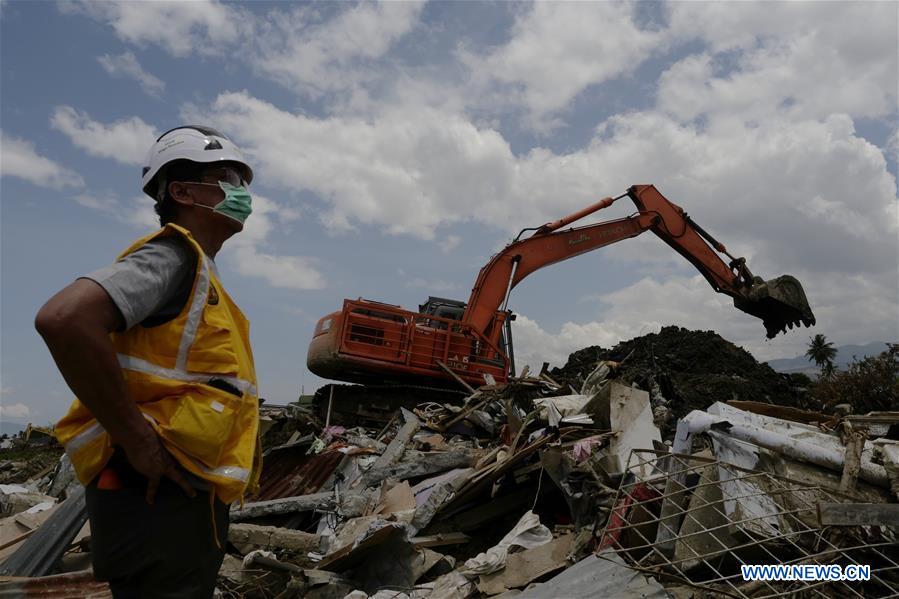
{"x": 687, "y": 370}
{"x": 655, "y": 469}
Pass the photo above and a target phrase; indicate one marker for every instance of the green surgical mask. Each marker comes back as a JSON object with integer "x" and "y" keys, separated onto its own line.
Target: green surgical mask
{"x": 237, "y": 202}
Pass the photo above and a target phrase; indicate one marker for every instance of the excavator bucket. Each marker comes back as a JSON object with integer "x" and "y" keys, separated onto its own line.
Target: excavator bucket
{"x": 780, "y": 303}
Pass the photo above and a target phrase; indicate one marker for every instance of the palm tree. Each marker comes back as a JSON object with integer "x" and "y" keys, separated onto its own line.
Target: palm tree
{"x": 822, "y": 352}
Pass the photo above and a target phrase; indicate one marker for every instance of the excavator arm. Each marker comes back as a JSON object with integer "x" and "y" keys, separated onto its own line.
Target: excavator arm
{"x": 779, "y": 303}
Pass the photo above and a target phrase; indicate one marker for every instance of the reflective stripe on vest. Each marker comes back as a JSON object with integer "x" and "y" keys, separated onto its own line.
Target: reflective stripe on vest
{"x": 84, "y": 437}
{"x": 141, "y": 365}
{"x": 197, "y": 303}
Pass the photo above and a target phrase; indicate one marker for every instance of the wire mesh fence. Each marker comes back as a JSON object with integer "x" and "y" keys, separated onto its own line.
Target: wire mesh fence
{"x": 695, "y": 521}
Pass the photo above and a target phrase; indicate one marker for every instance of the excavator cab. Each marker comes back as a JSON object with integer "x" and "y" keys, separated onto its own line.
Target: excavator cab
{"x": 442, "y": 307}
{"x": 780, "y": 303}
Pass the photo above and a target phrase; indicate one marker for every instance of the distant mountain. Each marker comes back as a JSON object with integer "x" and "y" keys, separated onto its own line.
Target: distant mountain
{"x": 845, "y": 354}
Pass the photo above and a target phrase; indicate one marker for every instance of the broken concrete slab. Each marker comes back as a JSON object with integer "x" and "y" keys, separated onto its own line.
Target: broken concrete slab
{"x": 625, "y": 411}
{"x": 705, "y": 531}
{"x": 391, "y": 455}
{"x": 350, "y": 504}
{"x": 416, "y": 464}
{"x": 273, "y": 536}
{"x": 452, "y": 586}
{"x": 433, "y": 494}
{"x": 381, "y": 557}
{"x": 17, "y": 498}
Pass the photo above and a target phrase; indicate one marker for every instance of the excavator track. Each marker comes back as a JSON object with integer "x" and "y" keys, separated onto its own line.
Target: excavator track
{"x": 375, "y": 405}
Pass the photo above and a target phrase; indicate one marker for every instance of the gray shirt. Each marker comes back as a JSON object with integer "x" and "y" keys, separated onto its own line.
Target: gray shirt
{"x": 151, "y": 285}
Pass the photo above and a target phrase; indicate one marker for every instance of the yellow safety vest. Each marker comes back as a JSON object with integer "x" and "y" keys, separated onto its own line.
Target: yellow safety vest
{"x": 168, "y": 369}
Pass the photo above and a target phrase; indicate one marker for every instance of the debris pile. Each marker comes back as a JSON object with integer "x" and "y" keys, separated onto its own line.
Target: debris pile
{"x": 688, "y": 370}
{"x": 559, "y": 484}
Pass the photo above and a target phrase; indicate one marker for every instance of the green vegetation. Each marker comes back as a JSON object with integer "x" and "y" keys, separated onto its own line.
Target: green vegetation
{"x": 822, "y": 352}
{"x": 869, "y": 384}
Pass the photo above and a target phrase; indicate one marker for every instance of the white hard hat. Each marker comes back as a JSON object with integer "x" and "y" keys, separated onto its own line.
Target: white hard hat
{"x": 194, "y": 143}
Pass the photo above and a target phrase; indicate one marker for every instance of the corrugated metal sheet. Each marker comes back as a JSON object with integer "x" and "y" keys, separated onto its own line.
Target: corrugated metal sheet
{"x": 39, "y": 554}
{"x": 603, "y": 576}
{"x": 73, "y": 585}
{"x": 290, "y": 472}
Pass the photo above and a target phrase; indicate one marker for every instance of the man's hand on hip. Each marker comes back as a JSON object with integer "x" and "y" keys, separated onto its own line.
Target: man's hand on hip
{"x": 153, "y": 460}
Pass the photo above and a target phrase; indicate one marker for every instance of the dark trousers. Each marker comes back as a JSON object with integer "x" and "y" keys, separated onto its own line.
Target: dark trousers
{"x": 166, "y": 550}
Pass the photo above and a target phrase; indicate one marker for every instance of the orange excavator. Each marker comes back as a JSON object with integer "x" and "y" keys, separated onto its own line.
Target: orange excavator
{"x": 449, "y": 342}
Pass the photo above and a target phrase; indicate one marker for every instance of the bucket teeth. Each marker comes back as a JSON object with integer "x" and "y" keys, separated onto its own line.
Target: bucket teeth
{"x": 780, "y": 303}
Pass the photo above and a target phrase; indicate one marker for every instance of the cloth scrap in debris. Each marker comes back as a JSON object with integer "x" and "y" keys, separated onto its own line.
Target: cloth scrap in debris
{"x": 583, "y": 449}
{"x": 330, "y": 432}
{"x": 528, "y": 533}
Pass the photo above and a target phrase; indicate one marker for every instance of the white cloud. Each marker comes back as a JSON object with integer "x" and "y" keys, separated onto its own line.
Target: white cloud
{"x": 449, "y": 243}
{"x": 243, "y": 251}
{"x": 301, "y": 47}
{"x": 18, "y": 158}
{"x": 125, "y": 141}
{"x": 437, "y": 286}
{"x": 726, "y": 26}
{"x": 136, "y": 211}
{"x": 313, "y": 56}
{"x": 289, "y": 272}
{"x": 558, "y": 49}
{"x": 892, "y": 144}
{"x": 807, "y": 60}
{"x": 126, "y": 65}
{"x": 785, "y": 193}
{"x": 16, "y": 410}
{"x": 408, "y": 171}
{"x": 206, "y": 27}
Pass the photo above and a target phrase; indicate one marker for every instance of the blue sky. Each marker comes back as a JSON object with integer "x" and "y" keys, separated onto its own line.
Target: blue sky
{"x": 398, "y": 145}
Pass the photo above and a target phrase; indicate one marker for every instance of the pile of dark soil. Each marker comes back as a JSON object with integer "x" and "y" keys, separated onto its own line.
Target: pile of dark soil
{"x": 693, "y": 369}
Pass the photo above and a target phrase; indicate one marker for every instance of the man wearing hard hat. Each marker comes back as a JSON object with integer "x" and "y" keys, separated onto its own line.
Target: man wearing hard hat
{"x": 163, "y": 433}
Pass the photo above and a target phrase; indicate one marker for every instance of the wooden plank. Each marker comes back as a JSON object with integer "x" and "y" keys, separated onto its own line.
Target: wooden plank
{"x": 523, "y": 567}
{"x": 438, "y": 540}
{"x": 858, "y": 514}
{"x": 474, "y": 404}
{"x": 458, "y": 378}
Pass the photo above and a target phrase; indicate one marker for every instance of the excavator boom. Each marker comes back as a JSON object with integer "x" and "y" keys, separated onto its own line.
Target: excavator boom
{"x": 779, "y": 303}
{"x": 372, "y": 341}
